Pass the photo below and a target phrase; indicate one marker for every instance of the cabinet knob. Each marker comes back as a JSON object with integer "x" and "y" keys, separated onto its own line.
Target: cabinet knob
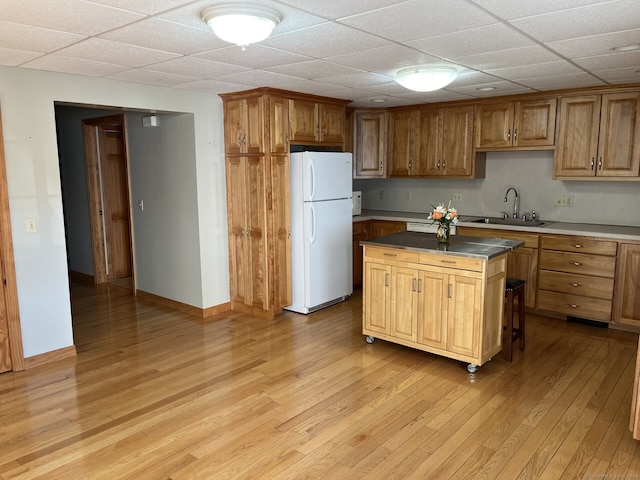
{"x": 600, "y": 164}
{"x": 574, "y": 305}
{"x": 575, "y": 264}
{"x": 593, "y": 159}
{"x": 515, "y": 134}
{"x": 579, "y": 245}
{"x": 575, "y": 284}
{"x": 509, "y": 134}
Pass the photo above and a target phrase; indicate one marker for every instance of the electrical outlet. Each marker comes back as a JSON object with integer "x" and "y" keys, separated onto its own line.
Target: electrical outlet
{"x": 381, "y": 194}
{"x": 455, "y": 197}
{"x": 564, "y": 201}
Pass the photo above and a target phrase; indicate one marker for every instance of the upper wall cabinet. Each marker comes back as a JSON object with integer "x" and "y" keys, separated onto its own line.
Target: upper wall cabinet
{"x": 432, "y": 143}
{"x": 528, "y": 124}
{"x": 244, "y": 126}
{"x": 278, "y": 124}
{"x": 599, "y": 136}
{"x": 370, "y": 145}
{"x": 314, "y": 122}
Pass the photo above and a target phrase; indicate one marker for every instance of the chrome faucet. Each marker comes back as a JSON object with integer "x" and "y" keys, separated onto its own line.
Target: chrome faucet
{"x": 515, "y": 201}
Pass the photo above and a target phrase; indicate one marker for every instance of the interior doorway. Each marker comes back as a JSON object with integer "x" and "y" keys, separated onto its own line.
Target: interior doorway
{"x": 108, "y": 188}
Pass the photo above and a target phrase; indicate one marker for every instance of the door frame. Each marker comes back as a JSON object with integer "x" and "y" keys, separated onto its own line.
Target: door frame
{"x": 94, "y": 191}
{"x": 8, "y": 269}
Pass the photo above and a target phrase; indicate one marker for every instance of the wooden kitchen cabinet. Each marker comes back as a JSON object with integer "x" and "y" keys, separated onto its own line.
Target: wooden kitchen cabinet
{"x": 244, "y": 126}
{"x": 576, "y": 276}
{"x": 599, "y": 136}
{"x": 258, "y": 203}
{"x": 627, "y": 300}
{"x": 382, "y": 228}
{"x": 360, "y": 233}
{"x": 447, "y": 305}
{"x": 527, "y": 123}
{"x": 432, "y": 143}
{"x": 370, "y": 145}
{"x": 314, "y": 122}
{"x": 522, "y": 263}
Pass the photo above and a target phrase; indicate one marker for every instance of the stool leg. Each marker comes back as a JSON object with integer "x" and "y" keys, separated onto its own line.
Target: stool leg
{"x": 508, "y": 341}
{"x": 521, "y": 317}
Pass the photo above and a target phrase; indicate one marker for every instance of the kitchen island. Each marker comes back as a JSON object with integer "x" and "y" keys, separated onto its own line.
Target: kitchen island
{"x": 442, "y": 299}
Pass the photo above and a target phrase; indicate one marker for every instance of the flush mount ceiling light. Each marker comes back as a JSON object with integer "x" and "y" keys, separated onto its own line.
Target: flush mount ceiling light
{"x": 426, "y": 78}
{"x": 240, "y": 23}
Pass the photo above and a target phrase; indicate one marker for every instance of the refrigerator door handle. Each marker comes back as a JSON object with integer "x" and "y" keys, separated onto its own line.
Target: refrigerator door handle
{"x": 312, "y": 210}
{"x": 312, "y": 180}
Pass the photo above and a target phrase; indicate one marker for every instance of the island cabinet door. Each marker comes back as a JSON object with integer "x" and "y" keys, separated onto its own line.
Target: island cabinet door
{"x": 404, "y": 289}
{"x": 432, "y": 309}
{"x": 463, "y": 318}
{"x": 377, "y": 294}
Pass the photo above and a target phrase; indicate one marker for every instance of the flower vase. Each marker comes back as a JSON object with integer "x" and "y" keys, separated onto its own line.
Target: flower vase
{"x": 443, "y": 232}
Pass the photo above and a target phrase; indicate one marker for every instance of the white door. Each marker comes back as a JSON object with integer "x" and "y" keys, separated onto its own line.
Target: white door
{"x": 328, "y": 263}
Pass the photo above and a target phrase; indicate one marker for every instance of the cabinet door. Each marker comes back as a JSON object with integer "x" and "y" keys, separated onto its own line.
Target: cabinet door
{"x": 627, "y": 286}
{"x": 256, "y": 229}
{"x": 463, "y": 318}
{"x": 534, "y": 123}
{"x": 279, "y": 125}
{"x": 457, "y": 141}
{"x": 235, "y": 115}
{"x": 382, "y": 228}
{"x": 244, "y": 126}
{"x": 370, "y": 144}
{"x": 236, "y": 217}
{"x": 360, "y": 232}
{"x": 428, "y": 156}
{"x": 303, "y": 121}
{"x": 404, "y": 284}
{"x": 281, "y": 213}
{"x": 332, "y": 119}
{"x": 377, "y": 285}
{"x": 619, "y": 147}
{"x": 577, "y": 146}
{"x": 402, "y": 137}
{"x": 432, "y": 309}
{"x": 494, "y": 125}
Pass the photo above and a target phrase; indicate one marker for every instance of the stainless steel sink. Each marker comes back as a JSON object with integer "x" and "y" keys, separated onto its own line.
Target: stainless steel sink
{"x": 509, "y": 221}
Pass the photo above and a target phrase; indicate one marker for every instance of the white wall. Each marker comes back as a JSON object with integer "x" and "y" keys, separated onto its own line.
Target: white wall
{"x": 27, "y": 105}
{"x": 615, "y": 203}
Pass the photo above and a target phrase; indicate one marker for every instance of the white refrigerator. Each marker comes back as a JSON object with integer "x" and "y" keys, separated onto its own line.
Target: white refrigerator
{"x": 321, "y": 229}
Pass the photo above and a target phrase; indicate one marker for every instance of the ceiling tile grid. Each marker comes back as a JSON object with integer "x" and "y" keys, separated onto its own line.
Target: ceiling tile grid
{"x": 346, "y": 49}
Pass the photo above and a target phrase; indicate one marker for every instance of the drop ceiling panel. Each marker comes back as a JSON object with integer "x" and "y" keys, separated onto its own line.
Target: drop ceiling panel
{"x": 255, "y": 56}
{"x": 595, "y": 45}
{"x": 386, "y": 60}
{"x": 514, "y": 57}
{"x": 420, "y": 18}
{"x": 335, "y": 9}
{"x": 140, "y": 75}
{"x": 319, "y": 69}
{"x": 509, "y": 10}
{"x": 12, "y": 58}
{"x": 197, "y": 67}
{"x": 117, "y": 53}
{"x": 78, "y": 66}
{"x": 34, "y": 39}
{"x": 146, "y": 7}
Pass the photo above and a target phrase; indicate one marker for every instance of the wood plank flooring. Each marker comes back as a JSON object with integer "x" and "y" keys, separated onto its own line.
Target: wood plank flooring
{"x": 155, "y": 394}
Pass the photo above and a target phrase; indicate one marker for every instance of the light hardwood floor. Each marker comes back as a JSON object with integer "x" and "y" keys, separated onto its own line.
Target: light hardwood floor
{"x": 155, "y": 394}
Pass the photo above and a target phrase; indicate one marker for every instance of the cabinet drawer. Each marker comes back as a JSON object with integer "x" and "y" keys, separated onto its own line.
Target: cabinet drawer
{"x": 581, "y": 264}
{"x": 392, "y": 254}
{"x": 575, "y": 305}
{"x": 450, "y": 261}
{"x": 597, "y": 287}
{"x": 569, "y": 243}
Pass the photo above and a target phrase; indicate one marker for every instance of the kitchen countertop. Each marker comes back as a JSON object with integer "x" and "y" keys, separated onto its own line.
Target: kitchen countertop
{"x": 616, "y": 232}
{"x": 459, "y": 245}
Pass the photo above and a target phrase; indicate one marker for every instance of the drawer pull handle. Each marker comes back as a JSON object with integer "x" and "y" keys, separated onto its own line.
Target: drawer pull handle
{"x": 577, "y": 245}
{"x": 573, "y": 305}
{"x": 390, "y": 255}
{"x": 386, "y": 279}
{"x": 575, "y": 284}
{"x": 451, "y": 262}
{"x": 576, "y": 264}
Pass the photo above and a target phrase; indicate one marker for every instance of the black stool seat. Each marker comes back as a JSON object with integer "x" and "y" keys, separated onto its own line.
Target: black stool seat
{"x": 514, "y": 288}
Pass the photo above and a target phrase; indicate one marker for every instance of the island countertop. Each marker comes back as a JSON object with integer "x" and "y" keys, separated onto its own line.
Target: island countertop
{"x": 459, "y": 245}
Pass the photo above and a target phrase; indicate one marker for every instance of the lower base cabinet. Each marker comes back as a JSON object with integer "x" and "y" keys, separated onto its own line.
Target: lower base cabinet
{"x": 447, "y": 305}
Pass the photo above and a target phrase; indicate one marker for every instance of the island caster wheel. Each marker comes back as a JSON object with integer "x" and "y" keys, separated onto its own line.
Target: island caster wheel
{"x": 370, "y": 339}
{"x": 472, "y": 368}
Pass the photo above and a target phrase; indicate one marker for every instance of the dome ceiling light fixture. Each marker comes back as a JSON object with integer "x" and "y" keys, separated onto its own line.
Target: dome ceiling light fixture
{"x": 426, "y": 78}
{"x": 241, "y": 23}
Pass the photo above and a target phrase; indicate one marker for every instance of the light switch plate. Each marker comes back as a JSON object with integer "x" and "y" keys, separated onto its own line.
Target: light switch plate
{"x": 32, "y": 226}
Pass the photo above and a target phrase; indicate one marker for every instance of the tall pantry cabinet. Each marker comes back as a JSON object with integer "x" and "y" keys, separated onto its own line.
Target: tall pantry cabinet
{"x": 256, "y": 133}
